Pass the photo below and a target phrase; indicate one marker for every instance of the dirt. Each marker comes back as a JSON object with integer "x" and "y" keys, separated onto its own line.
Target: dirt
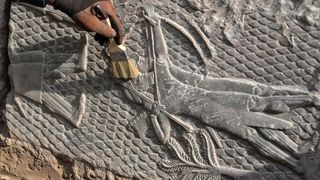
{"x": 22, "y": 161}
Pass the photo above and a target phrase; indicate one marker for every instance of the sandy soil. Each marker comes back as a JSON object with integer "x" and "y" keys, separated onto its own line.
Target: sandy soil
{"x": 21, "y": 161}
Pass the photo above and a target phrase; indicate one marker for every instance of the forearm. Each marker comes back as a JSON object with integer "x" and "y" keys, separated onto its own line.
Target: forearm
{"x": 39, "y": 3}
{"x": 81, "y": 11}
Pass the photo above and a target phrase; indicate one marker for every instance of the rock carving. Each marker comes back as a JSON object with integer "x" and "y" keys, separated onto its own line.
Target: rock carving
{"x": 28, "y": 72}
{"x": 234, "y": 105}
{"x": 227, "y": 91}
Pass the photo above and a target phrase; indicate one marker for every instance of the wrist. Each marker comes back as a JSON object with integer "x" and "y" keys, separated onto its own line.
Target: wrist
{"x": 72, "y": 7}
{"x": 50, "y": 2}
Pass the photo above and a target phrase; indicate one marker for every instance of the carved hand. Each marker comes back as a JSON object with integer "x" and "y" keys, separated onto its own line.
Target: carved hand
{"x": 82, "y": 12}
{"x": 157, "y": 108}
{"x": 151, "y": 16}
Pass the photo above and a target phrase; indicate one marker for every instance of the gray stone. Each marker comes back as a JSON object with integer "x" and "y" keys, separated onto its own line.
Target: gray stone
{"x": 183, "y": 122}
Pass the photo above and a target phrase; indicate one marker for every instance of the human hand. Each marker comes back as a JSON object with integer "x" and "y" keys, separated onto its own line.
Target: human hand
{"x": 83, "y": 13}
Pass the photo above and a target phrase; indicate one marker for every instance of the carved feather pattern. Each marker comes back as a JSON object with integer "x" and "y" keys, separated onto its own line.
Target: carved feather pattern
{"x": 175, "y": 166}
{"x": 195, "y": 150}
{"x": 211, "y": 151}
{"x": 179, "y": 151}
{"x": 191, "y": 164}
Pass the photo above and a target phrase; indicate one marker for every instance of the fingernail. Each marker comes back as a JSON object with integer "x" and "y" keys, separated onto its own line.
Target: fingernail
{"x": 114, "y": 33}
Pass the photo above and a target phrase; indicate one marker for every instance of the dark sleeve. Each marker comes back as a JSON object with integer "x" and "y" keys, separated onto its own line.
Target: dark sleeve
{"x": 39, "y": 3}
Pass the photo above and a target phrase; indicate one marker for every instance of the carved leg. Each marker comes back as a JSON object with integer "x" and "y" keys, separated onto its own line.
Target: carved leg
{"x": 278, "y": 104}
{"x": 268, "y": 149}
{"x": 232, "y": 121}
{"x": 280, "y": 138}
{"x": 224, "y": 109}
{"x": 213, "y": 114}
{"x": 266, "y": 90}
{"x": 294, "y": 92}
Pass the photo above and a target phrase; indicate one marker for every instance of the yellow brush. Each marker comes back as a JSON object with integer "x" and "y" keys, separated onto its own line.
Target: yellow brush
{"x": 122, "y": 66}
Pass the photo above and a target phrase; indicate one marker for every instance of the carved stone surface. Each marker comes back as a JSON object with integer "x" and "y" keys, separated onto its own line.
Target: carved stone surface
{"x": 229, "y": 90}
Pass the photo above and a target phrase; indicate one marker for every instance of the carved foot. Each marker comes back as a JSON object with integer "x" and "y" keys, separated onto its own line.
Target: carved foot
{"x": 312, "y": 97}
{"x": 265, "y": 91}
{"x": 268, "y": 149}
{"x": 79, "y": 110}
{"x": 266, "y": 105}
{"x": 279, "y": 104}
{"x": 153, "y": 18}
{"x": 315, "y": 99}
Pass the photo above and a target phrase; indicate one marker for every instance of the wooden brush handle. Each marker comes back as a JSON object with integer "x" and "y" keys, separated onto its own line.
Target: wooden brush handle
{"x": 102, "y": 15}
{"x": 108, "y": 22}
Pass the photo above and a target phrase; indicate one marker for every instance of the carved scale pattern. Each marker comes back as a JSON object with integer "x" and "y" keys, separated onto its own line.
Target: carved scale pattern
{"x": 103, "y": 139}
{"x": 266, "y": 56}
{"x": 104, "y": 134}
{"x": 285, "y": 66}
{"x": 235, "y": 61}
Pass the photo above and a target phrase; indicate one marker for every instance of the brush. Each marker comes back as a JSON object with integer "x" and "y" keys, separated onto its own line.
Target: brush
{"x": 122, "y": 66}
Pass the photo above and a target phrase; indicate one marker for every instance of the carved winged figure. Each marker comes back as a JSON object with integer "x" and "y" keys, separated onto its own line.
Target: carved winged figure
{"x": 244, "y": 108}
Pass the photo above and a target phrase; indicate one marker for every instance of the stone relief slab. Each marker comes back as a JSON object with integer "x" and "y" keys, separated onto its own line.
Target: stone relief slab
{"x": 232, "y": 97}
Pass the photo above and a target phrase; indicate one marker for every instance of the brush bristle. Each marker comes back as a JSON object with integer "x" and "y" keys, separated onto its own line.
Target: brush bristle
{"x": 126, "y": 69}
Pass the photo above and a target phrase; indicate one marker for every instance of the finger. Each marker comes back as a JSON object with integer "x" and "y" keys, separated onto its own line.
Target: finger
{"x": 90, "y": 21}
{"x": 115, "y": 22}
